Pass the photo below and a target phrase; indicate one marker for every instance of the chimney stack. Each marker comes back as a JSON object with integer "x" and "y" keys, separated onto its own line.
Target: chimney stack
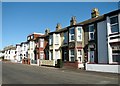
{"x": 73, "y": 20}
{"x": 47, "y": 31}
{"x": 58, "y": 27}
{"x": 95, "y": 13}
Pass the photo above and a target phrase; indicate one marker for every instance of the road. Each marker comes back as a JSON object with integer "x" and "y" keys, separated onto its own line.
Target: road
{"x": 13, "y": 73}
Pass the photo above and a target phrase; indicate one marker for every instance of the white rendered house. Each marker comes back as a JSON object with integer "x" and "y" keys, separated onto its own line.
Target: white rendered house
{"x": 24, "y": 50}
{"x": 18, "y": 51}
{"x": 10, "y": 53}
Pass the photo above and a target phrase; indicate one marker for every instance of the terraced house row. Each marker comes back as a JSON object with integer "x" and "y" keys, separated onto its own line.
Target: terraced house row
{"x": 95, "y": 41}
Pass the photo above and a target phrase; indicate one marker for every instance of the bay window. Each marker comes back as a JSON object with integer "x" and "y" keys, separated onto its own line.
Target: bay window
{"x": 114, "y": 24}
{"x": 51, "y": 55}
{"x": 72, "y": 57}
{"x": 65, "y": 38}
{"x": 116, "y": 56}
{"x": 79, "y": 34}
{"x": 51, "y": 40}
{"x": 56, "y": 55}
{"x": 72, "y": 34}
{"x": 91, "y": 32}
{"x": 32, "y": 37}
{"x": 79, "y": 55}
{"x": 41, "y": 55}
{"x": 56, "y": 38}
{"x": 41, "y": 43}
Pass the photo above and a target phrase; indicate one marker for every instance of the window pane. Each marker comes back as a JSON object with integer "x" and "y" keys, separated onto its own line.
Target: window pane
{"x": 72, "y": 37}
{"x": 72, "y": 52}
{"x": 91, "y": 28}
{"x": 79, "y": 59}
{"x": 114, "y": 20}
{"x": 116, "y": 58}
{"x": 57, "y": 39}
{"x": 79, "y": 52}
{"x": 51, "y": 55}
{"x": 65, "y": 37}
{"x": 41, "y": 44}
{"x": 91, "y": 36}
{"x": 114, "y": 28}
{"x": 79, "y": 30}
{"x": 72, "y": 59}
{"x": 50, "y": 40}
{"x": 72, "y": 31}
{"x": 79, "y": 37}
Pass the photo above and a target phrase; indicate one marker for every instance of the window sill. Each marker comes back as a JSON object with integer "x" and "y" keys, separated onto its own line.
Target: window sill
{"x": 56, "y": 44}
{"x": 71, "y": 40}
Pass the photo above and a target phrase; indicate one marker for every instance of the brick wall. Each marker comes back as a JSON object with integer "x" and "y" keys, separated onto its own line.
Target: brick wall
{"x": 71, "y": 64}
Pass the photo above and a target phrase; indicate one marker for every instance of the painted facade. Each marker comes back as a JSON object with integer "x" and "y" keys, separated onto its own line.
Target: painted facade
{"x": 18, "y": 52}
{"x": 42, "y": 47}
{"x": 54, "y": 44}
{"x": 24, "y": 52}
{"x": 95, "y": 41}
{"x": 9, "y": 53}
{"x": 113, "y": 36}
{"x": 31, "y": 48}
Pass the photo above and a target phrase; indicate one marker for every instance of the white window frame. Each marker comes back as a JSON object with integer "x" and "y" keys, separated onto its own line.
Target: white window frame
{"x": 91, "y": 32}
{"x": 41, "y": 55}
{"x": 79, "y": 54}
{"x": 65, "y": 38}
{"x": 50, "y": 39}
{"x": 72, "y": 55}
{"x": 70, "y": 35}
{"x": 114, "y": 23}
{"x": 24, "y": 47}
{"x": 28, "y": 37}
{"x": 57, "y": 39}
{"x": 32, "y": 37}
{"x": 79, "y": 34}
{"x": 41, "y": 43}
{"x": 56, "y": 54}
{"x": 31, "y": 44}
{"x": 51, "y": 55}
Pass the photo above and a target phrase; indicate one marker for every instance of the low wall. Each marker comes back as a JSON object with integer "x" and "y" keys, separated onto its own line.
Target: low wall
{"x": 73, "y": 64}
{"x": 103, "y": 68}
{"x": 47, "y": 62}
{"x": 26, "y": 61}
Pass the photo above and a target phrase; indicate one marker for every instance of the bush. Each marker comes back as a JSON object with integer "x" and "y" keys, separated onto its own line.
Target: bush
{"x": 59, "y": 63}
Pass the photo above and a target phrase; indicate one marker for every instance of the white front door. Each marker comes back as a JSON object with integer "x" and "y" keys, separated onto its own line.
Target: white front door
{"x": 91, "y": 56}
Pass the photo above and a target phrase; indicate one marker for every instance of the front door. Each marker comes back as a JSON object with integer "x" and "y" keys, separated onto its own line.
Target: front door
{"x": 92, "y": 56}
{"x": 64, "y": 54}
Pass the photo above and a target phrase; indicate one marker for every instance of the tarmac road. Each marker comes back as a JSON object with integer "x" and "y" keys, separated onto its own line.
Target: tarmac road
{"x": 14, "y": 73}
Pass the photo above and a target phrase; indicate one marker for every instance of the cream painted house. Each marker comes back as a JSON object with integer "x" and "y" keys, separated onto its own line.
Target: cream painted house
{"x": 31, "y": 48}
{"x": 54, "y": 44}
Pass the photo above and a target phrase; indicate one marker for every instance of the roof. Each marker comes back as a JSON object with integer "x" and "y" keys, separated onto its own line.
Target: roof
{"x": 113, "y": 12}
{"x": 9, "y": 48}
{"x": 24, "y": 42}
{"x": 42, "y": 36}
{"x": 92, "y": 20}
{"x": 36, "y": 33}
{"x": 89, "y": 21}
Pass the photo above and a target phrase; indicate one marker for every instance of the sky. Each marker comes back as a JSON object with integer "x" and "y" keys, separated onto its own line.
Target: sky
{"x": 19, "y": 19}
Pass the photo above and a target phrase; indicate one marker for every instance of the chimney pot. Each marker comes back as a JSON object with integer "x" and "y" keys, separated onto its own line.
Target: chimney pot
{"x": 73, "y": 20}
{"x": 58, "y": 27}
{"x": 95, "y": 12}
